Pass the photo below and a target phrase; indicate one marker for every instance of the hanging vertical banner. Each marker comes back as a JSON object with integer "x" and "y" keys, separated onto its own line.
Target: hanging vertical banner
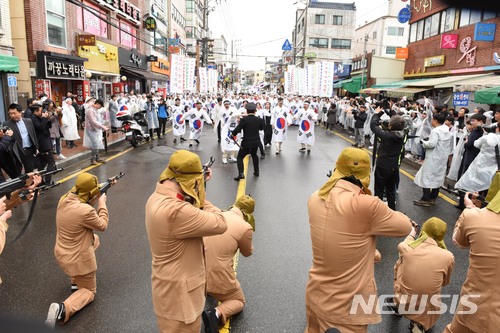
{"x": 189, "y": 76}
{"x": 202, "y": 76}
{"x": 177, "y": 74}
{"x": 327, "y": 79}
{"x": 311, "y": 80}
{"x": 212, "y": 80}
{"x": 300, "y": 76}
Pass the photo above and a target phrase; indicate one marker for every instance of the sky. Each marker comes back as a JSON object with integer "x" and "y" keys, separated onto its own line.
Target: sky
{"x": 262, "y": 26}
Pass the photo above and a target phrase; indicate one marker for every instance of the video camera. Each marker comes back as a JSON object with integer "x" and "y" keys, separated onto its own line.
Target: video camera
{"x": 4, "y": 128}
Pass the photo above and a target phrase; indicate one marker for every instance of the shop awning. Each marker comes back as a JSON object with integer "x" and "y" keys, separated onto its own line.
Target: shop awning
{"x": 488, "y": 96}
{"x": 101, "y": 73}
{"x": 478, "y": 83}
{"x": 443, "y": 82}
{"x": 405, "y": 91}
{"x": 352, "y": 85}
{"x": 145, "y": 75}
{"x": 9, "y": 64}
{"x": 370, "y": 91}
{"x": 396, "y": 84}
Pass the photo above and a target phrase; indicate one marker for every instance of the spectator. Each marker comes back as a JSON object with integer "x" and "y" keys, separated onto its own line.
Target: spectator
{"x": 25, "y": 142}
{"x": 360, "y": 117}
{"x": 93, "y": 132}
{"x": 27, "y": 112}
{"x": 42, "y": 124}
{"x": 113, "y": 110}
{"x": 7, "y": 163}
{"x": 55, "y": 132}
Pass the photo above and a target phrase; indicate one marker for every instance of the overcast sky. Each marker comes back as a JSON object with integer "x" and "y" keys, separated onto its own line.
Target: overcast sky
{"x": 263, "y": 25}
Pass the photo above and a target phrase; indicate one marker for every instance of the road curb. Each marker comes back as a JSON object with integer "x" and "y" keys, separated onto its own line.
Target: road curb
{"x": 85, "y": 155}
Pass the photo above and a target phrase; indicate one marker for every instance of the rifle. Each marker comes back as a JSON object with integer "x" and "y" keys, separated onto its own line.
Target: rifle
{"x": 206, "y": 167}
{"x": 478, "y": 200}
{"x": 19, "y": 197}
{"x": 18, "y": 183}
{"x": 106, "y": 186}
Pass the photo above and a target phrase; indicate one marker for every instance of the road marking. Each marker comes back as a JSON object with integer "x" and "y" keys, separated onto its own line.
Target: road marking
{"x": 402, "y": 171}
{"x": 241, "y": 191}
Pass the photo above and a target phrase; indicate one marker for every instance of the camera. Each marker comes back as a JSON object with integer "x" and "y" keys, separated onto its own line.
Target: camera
{"x": 4, "y": 128}
{"x": 490, "y": 128}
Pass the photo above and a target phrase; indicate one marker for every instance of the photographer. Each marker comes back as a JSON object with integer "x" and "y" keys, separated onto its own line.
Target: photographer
{"x": 7, "y": 162}
{"x": 392, "y": 140}
{"x": 42, "y": 124}
{"x": 360, "y": 118}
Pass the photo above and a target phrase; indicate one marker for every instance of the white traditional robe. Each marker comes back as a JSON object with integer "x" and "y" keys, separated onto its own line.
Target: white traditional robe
{"x": 229, "y": 120}
{"x": 280, "y": 119}
{"x": 196, "y": 120}
{"x": 306, "y": 120}
{"x": 178, "y": 128}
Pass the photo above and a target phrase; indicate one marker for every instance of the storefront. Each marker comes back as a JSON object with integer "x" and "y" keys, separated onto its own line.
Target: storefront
{"x": 8, "y": 92}
{"x": 132, "y": 65}
{"x": 161, "y": 67}
{"x": 101, "y": 71}
{"x": 57, "y": 74}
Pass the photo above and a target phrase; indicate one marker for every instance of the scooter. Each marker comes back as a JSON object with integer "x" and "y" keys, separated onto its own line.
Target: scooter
{"x": 134, "y": 126}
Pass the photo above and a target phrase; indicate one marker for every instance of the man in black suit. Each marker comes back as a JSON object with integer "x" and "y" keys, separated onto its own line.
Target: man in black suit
{"x": 25, "y": 142}
{"x": 251, "y": 125}
{"x": 42, "y": 124}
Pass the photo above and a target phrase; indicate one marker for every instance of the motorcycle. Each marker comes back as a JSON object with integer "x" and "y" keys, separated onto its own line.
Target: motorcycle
{"x": 134, "y": 126}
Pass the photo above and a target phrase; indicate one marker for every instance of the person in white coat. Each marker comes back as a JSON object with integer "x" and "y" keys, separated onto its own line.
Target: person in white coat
{"x": 217, "y": 117}
{"x": 229, "y": 119}
{"x": 432, "y": 173}
{"x": 306, "y": 118}
{"x": 280, "y": 120}
{"x": 480, "y": 173}
{"x": 197, "y": 117}
{"x": 69, "y": 123}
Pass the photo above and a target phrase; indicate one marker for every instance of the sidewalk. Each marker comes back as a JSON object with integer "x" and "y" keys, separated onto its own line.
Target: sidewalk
{"x": 81, "y": 153}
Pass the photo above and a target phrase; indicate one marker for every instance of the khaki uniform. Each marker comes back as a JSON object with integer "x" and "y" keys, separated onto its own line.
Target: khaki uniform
{"x": 421, "y": 271}
{"x": 219, "y": 253}
{"x": 175, "y": 230}
{"x": 479, "y": 229}
{"x": 75, "y": 247}
{"x": 3, "y": 231}
{"x": 343, "y": 234}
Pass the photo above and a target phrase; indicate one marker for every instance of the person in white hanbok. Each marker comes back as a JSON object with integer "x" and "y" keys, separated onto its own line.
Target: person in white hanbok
{"x": 197, "y": 117}
{"x": 93, "y": 131}
{"x": 280, "y": 120}
{"x": 229, "y": 119}
{"x": 178, "y": 127}
{"x": 480, "y": 173}
{"x": 69, "y": 123}
{"x": 432, "y": 173}
{"x": 306, "y": 118}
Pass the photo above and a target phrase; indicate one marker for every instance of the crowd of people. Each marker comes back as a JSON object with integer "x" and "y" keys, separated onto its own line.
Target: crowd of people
{"x": 194, "y": 255}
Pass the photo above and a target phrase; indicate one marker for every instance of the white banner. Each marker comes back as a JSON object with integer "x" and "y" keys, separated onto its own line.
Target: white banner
{"x": 189, "y": 78}
{"x": 212, "y": 80}
{"x": 177, "y": 74}
{"x": 302, "y": 81}
{"x": 326, "y": 88}
{"x": 314, "y": 80}
{"x": 202, "y": 76}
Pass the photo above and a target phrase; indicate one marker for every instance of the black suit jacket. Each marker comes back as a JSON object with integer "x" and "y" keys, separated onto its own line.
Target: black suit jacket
{"x": 18, "y": 141}
{"x": 42, "y": 131}
{"x": 251, "y": 125}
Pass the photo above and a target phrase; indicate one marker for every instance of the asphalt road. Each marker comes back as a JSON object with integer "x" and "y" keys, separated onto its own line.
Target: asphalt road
{"x": 273, "y": 278}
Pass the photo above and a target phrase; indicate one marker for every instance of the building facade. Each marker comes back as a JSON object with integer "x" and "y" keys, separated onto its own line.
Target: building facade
{"x": 324, "y": 31}
{"x": 9, "y": 62}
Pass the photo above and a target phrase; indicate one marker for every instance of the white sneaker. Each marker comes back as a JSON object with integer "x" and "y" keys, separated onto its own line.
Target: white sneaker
{"x": 61, "y": 156}
{"x": 55, "y": 313}
{"x": 233, "y": 159}
{"x": 224, "y": 161}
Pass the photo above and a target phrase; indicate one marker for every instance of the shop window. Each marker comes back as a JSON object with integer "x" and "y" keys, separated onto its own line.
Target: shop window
{"x": 337, "y": 20}
{"x": 447, "y": 20}
{"x": 390, "y": 50}
{"x": 318, "y": 42}
{"x": 319, "y": 19}
{"x": 56, "y": 22}
{"x": 395, "y": 31}
{"x": 341, "y": 43}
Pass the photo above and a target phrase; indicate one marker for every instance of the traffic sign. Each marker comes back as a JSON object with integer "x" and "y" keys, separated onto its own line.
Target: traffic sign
{"x": 12, "y": 81}
{"x": 404, "y": 15}
{"x": 286, "y": 46}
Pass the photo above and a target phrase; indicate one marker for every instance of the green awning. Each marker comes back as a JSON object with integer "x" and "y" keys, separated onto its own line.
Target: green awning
{"x": 487, "y": 96}
{"x": 396, "y": 84}
{"x": 352, "y": 85}
{"x": 9, "y": 64}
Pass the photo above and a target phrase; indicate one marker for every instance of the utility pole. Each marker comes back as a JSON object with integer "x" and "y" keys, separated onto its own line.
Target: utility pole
{"x": 363, "y": 62}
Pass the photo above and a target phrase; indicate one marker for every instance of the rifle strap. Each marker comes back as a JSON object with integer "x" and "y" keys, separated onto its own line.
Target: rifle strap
{"x": 30, "y": 216}
{"x": 497, "y": 154}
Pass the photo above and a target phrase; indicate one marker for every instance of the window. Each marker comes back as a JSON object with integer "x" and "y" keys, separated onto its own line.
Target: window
{"x": 190, "y": 6}
{"x": 486, "y": 15}
{"x": 319, "y": 19}
{"x": 374, "y": 35}
{"x": 413, "y": 32}
{"x": 427, "y": 27}
{"x": 447, "y": 20}
{"x": 126, "y": 35}
{"x": 318, "y": 42}
{"x": 390, "y": 50}
{"x": 395, "y": 31}
{"x": 468, "y": 17}
{"x": 56, "y": 22}
{"x": 420, "y": 29}
{"x": 89, "y": 22}
{"x": 341, "y": 43}
{"x": 435, "y": 24}
{"x": 337, "y": 20}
